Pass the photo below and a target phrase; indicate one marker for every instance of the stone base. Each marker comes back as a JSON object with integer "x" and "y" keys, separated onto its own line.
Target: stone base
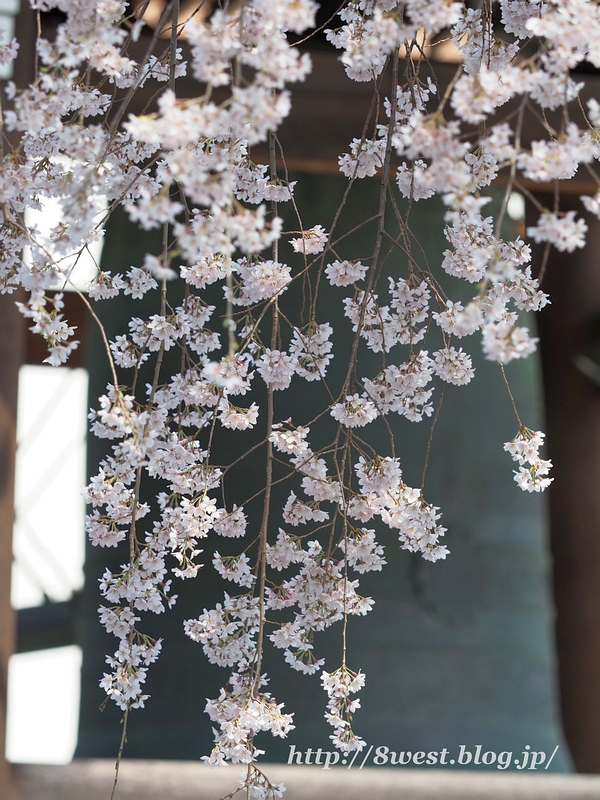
{"x": 183, "y": 780}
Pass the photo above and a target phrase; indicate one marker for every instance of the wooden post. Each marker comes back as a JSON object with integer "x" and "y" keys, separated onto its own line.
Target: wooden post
{"x": 573, "y": 427}
{"x": 11, "y": 357}
{"x": 12, "y": 350}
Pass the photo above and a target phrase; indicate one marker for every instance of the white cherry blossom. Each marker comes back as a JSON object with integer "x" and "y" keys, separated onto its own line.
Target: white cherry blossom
{"x": 187, "y": 170}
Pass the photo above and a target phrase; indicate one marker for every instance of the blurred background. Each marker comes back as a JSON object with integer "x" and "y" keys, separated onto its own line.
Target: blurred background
{"x": 499, "y": 645}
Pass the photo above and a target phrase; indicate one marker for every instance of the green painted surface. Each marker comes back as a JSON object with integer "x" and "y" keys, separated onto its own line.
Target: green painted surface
{"x": 456, "y": 653}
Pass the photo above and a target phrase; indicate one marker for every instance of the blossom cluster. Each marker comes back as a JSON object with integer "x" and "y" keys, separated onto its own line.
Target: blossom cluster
{"x": 524, "y": 449}
{"x": 339, "y": 685}
{"x": 186, "y": 168}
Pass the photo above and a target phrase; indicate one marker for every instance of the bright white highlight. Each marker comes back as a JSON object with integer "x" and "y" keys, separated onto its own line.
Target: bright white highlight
{"x": 48, "y": 535}
{"x": 515, "y": 207}
{"x": 43, "y": 706}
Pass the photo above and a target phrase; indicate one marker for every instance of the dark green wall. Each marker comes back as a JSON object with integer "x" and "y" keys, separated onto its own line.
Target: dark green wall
{"x": 458, "y": 652}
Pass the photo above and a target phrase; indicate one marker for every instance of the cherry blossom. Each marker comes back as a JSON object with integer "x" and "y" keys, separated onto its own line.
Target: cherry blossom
{"x": 189, "y": 170}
